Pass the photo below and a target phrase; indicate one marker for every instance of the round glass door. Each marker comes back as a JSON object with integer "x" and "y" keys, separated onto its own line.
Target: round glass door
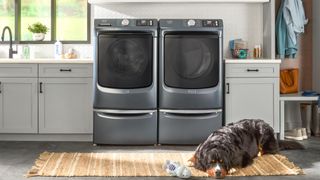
{"x": 191, "y": 61}
{"x": 125, "y": 60}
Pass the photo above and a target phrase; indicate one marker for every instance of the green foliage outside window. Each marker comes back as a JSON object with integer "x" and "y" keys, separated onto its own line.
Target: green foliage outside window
{"x": 71, "y": 18}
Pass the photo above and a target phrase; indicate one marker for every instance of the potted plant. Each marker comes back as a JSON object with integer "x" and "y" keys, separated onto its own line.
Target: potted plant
{"x": 39, "y": 30}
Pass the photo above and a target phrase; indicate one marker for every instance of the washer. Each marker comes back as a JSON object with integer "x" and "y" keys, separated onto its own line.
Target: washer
{"x": 190, "y": 79}
{"x": 125, "y": 81}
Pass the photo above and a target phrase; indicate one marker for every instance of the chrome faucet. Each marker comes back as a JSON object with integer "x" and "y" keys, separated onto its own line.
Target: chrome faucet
{"x": 11, "y": 51}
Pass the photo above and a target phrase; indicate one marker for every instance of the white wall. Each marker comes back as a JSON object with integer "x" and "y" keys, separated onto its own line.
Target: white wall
{"x": 240, "y": 21}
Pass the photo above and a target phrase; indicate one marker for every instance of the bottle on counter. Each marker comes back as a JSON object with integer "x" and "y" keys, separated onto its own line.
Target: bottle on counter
{"x": 26, "y": 52}
{"x": 58, "y": 50}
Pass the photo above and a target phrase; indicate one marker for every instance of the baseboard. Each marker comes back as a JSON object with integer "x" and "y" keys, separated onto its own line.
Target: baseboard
{"x": 47, "y": 137}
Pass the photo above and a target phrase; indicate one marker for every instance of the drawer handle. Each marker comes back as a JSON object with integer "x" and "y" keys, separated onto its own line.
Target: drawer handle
{"x": 41, "y": 91}
{"x": 252, "y": 70}
{"x": 65, "y": 70}
{"x": 228, "y": 88}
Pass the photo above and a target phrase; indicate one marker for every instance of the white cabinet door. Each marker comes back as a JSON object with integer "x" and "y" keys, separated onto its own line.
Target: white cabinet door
{"x": 253, "y": 98}
{"x": 65, "y": 105}
{"x": 18, "y": 105}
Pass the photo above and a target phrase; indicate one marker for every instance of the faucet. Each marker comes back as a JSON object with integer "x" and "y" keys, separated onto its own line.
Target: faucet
{"x": 11, "y": 51}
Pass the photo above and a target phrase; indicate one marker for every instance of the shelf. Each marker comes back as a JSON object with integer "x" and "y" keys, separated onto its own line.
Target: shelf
{"x": 174, "y": 1}
{"x": 252, "y": 61}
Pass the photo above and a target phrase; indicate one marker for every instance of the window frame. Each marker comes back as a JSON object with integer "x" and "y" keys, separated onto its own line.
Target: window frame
{"x": 17, "y": 24}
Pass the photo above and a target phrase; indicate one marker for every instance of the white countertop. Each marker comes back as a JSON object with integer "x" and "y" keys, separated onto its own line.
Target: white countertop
{"x": 253, "y": 61}
{"x": 47, "y": 60}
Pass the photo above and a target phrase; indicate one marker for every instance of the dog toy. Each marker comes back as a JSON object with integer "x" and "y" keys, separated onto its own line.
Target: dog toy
{"x": 175, "y": 169}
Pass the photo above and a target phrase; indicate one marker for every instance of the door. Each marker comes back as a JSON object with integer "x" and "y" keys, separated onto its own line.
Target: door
{"x": 125, "y": 60}
{"x": 191, "y": 59}
{"x": 18, "y": 105}
{"x": 65, "y": 105}
{"x": 252, "y": 98}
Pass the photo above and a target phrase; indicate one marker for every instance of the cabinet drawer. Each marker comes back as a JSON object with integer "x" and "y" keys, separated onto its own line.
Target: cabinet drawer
{"x": 252, "y": 70}
{"x": 65, "y": 70}
{"x": 18, "y": 70}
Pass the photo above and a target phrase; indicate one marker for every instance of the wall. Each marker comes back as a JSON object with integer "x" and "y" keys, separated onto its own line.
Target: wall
{"x": 316, "y": 46}
{"x": 240, "y": 20}
{"x": 303, "y": 60}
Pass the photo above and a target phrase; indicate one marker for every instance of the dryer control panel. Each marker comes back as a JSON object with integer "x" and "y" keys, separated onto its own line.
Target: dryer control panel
{"x": 210, "y": 23}
{"x": 191, "y": 23}
{"x": 144, "y": 22}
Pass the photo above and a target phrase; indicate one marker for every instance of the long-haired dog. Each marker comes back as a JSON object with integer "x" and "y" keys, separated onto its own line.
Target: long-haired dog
{"x": 236, "y": 145}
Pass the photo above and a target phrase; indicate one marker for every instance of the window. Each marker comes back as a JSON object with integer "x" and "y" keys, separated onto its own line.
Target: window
{"x": 67, "y": 20}
{"x": 7, "y": 17}
{"x": 71, "y": 12}
{"x": 33, "y": 11}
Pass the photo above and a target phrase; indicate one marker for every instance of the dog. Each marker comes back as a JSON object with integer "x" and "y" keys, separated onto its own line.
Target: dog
{"x": 236, "y": 145}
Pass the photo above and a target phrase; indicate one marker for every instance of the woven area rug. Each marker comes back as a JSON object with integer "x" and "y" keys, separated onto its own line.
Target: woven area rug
{"x": 143, "y": 164}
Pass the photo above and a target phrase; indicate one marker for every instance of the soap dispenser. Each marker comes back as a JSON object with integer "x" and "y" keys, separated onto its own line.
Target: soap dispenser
{"x": 58, "y": 49}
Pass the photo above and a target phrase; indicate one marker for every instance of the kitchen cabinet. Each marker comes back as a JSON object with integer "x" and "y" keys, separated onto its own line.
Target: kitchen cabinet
{"x": 65, "y": 105}
{"x": 45, "y": 98}
{"x": 252, "y": 92}
{"x": 18, "y": 98}
{"x": 18, "y": 105}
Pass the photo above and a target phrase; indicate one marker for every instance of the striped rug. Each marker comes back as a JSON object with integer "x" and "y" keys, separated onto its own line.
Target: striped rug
{"x": 143, "y": 164}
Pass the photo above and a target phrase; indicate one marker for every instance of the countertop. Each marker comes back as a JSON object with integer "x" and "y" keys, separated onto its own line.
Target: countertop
{"x": 45, "y": 60}
{"x": 253, "y": 61}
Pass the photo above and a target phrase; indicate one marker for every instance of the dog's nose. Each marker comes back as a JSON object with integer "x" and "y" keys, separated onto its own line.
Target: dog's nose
{"x": 218, "y": 173}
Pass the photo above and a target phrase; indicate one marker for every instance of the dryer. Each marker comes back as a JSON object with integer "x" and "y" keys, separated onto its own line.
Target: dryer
{"x": 125, "y": 81}
{"x": 190, "y": 79}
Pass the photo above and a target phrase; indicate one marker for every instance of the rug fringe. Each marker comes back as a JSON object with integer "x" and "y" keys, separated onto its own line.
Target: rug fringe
{"x": 42, "y": 159}
{"x": 283, "y": 159}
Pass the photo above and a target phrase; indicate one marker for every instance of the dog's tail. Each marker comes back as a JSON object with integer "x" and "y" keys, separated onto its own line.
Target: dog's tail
{"x": 290, "y": 145}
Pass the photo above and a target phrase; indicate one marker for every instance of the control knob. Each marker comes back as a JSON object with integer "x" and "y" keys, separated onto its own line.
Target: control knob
{"x": 191, "y": 22}
{"x": 125, "y": 22}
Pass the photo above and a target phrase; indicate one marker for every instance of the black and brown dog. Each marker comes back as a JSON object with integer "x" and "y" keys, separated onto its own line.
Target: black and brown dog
{"x": 236, "y": 145}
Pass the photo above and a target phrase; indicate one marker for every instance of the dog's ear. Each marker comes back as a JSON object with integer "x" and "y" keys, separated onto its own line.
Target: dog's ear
{"x": 192, "y": 161}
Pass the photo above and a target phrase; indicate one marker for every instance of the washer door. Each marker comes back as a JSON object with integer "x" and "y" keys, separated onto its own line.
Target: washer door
{"x": 191, "y": 59}
{"x": 125, "y": 60}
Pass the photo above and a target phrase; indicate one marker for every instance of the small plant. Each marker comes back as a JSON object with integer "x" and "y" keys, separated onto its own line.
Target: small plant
{"x": 38, "y": 28}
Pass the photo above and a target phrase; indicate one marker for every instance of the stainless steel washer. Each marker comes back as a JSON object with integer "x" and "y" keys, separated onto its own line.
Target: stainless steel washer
{"x": 125, "y": 81}
{"x": 190, "y": 79}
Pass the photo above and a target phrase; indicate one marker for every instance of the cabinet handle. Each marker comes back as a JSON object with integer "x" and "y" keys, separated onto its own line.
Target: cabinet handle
{"x": 0, "y": 88}
{"x": 252, "y": 70}
{"x": 41, "y": 87}
{"x": 65, "y": 70}
{"x": 228, "y": 88}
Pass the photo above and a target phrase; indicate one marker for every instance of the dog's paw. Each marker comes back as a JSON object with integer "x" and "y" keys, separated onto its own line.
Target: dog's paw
{"x": 190, "y": 164}
{"x": 191, "y": 161}
{"x": 232, "y": 170}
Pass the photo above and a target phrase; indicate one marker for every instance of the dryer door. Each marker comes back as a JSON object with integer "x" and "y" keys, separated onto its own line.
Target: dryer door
{"x": 125, "y": 60}
{"x": 191, "y": 60}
